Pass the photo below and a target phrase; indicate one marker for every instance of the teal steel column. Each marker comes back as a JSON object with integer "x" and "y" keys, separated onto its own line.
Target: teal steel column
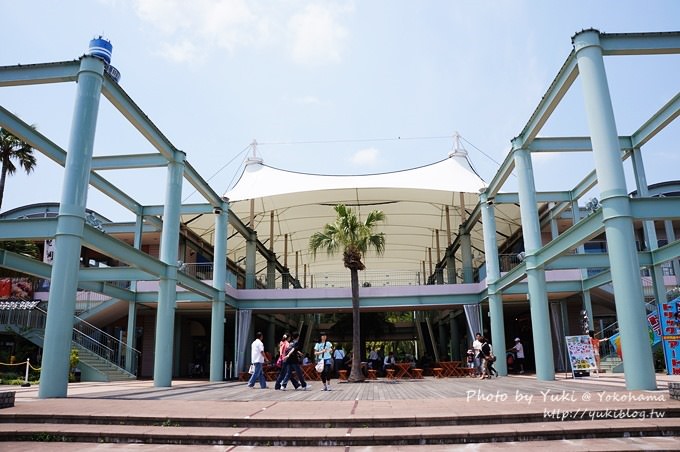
{"x": 67, "y": 240}
{"x": 251, "y": 256}
{"x": 616, "y": 213}
{"x": 271, "y": 271}
{"x": 167, "y": 290}
{"x": 466, "y": 256}
{"x": 493, "y": 274}
{"x": 587, "y": 304}
{"x": 130, "y": 358}
{"x": 538, "y": 295}
{"x": 450, "y": 266}
{"x": 218, "y": 305}
{"x": 670, "y": 238}
{"x": 649, "y": 226}
{"x": 455, "y": 338}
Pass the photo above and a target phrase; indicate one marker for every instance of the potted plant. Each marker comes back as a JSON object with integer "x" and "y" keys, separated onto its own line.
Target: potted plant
{"x": 73, "y": 361}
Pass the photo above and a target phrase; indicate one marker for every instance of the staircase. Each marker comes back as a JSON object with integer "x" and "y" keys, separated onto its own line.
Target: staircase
{"x": 611, "y": 364}
{"x": 102, "y": 357}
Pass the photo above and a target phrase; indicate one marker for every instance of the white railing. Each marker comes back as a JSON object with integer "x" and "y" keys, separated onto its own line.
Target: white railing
{"x": 374, "y": 278}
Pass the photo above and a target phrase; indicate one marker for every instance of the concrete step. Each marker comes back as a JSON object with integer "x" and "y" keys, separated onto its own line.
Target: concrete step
{"x": 168, "y": 433}
{"x": 238, "y": 430}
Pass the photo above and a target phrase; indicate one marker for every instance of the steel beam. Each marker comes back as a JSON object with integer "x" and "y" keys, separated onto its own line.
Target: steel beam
{"x": 129, "y": 109}
{"x": 640, "y": 43}
{"x": 657, "y": 122}
{"x": 655, "y": 208}
{"x": 38, "y": 74}
{"x": 570, "y": 144}
{"x": 559, "y": 87}
{"x": 114, "y": 274}
{"x": 128, "y": 161}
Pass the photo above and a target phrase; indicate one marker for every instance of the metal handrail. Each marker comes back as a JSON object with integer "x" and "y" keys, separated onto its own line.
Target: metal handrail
{"x": 85, "y": 335}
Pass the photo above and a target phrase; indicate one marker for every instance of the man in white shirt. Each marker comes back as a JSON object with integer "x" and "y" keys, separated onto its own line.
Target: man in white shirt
{"x": 519, "y": 354}
{"x": 477, "y": 347}
{"x": 257, "y": 358}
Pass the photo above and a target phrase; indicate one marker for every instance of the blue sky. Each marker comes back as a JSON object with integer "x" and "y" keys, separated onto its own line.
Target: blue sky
{"x": 347, "y": 86}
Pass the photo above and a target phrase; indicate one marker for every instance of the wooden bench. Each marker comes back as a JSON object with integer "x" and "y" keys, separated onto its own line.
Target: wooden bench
{"x": 389, "y": 374}
{"x": 342, "y": 375}
{"x": 417, "y": 373}
{"x": 438, "y": 372}
{"x": 372, "y": 374}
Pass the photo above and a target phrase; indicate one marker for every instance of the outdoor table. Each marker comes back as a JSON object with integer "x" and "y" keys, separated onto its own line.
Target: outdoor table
{"x": 403, "y": 370}
{"x": 450, "y": 368}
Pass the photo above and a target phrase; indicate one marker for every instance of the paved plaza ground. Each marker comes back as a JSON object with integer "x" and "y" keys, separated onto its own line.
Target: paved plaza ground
{"x": 445, "y": 402}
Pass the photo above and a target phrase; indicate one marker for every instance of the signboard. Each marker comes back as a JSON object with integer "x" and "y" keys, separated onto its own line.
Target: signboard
{"x": 581, "y": 354}
{"x": 669, "y": 316}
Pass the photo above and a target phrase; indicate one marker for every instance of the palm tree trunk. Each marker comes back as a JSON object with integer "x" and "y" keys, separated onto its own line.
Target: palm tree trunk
{"x": 355, "y": 374}
{"x": 3, "y": 177}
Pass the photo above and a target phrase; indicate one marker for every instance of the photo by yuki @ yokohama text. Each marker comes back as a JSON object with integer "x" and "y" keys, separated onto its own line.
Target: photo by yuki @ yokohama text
{"x": 568, "y": 400}
{"x": 563, "y": 396}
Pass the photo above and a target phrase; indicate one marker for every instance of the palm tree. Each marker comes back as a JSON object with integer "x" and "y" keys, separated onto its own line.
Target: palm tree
{"x": 12, "y": 148}
{"x": 355, "y": 238}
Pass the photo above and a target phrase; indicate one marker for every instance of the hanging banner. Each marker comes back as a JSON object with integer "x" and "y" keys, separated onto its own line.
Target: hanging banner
{"x": 654, "y": 327}
{"x": 581, "y": 354}
{"x": 669, "y": 316}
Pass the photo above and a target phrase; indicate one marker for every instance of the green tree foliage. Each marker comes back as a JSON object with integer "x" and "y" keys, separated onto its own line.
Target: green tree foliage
{"x": 14, "y": 150}
{"x": 354, "y": 237}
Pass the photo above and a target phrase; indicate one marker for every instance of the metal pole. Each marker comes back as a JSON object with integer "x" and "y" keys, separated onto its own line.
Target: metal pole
{"x": 26, "y": 384}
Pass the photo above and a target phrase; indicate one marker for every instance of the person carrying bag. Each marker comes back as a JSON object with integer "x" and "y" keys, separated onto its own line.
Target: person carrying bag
{"x": 322, "y": 352}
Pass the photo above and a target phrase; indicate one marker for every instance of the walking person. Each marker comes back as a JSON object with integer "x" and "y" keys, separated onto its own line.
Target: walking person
{"x": 257, "y": 359}
{"x": 518, "y": 350}
{"x": 292, "y": 363}
{"x": 284, "y": 347}
{"x": 322, "y": 352}
{"x": 477, "y": 348}
{"x": 338, "y": 358}
{"x": 486, "y": 356}
{"x": 492, "y": 359}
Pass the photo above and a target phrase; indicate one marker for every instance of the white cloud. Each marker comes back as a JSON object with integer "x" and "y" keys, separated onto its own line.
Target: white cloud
{"x": 182, "y": 52}
{"x": 203, "y": 24}
{"x": 310, "y": 32}
{"x": 368, "y": 156}
{"x": 317, "y": 35}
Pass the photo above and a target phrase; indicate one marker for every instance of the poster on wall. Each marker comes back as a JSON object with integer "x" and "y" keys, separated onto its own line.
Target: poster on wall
{"x": 669, "y": 316}
{"x": 581, "y": 354}
{"x": 16, "y": 289}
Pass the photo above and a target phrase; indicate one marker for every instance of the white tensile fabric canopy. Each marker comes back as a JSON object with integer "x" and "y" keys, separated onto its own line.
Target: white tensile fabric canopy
{"x": 453, "y": 174}
{"x": 414, "y": 201}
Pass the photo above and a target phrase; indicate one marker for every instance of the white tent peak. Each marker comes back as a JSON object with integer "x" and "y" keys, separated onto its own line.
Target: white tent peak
{"x": 453, "y": 174}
